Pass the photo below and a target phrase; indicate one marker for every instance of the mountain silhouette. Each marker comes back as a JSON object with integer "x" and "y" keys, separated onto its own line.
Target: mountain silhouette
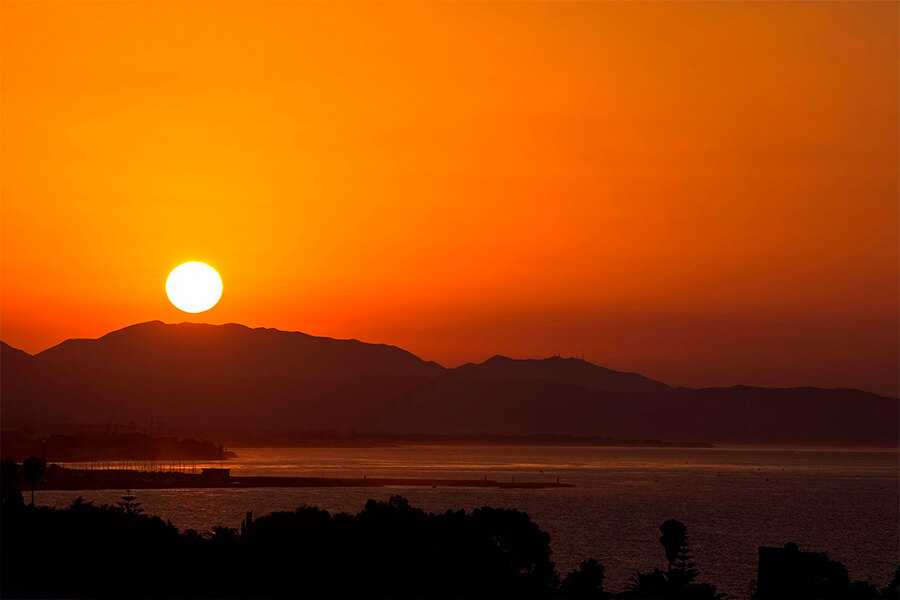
{"x": 739, "y": 415}
{"x": 568, "y": 371}
{"x": 219, "y": 375}
{"x": 232, "y": 376}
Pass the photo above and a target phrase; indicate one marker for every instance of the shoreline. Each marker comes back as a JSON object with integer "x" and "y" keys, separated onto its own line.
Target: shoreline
{"x": 64, "y": 479}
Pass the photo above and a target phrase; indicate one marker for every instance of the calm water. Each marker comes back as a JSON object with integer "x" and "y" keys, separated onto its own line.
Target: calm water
{"x": 732, "y": 500}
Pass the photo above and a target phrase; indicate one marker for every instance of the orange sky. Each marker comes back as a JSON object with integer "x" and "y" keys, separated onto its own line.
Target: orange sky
{"x": 706, "y": 193}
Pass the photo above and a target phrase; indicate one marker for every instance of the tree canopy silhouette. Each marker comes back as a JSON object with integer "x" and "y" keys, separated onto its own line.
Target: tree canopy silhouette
{"x": 586, "y": 582}
{"x": 678, "y": 580}
{"x": 388, "y": 549}
{"x": 9, "y": 480}
{"x": 789, "y": 572}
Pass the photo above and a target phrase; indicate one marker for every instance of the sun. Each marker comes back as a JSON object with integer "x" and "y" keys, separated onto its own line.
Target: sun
{"x": 194, "y": 287}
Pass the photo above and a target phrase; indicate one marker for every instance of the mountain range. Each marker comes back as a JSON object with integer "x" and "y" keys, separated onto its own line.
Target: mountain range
{"x": 232, "y": 376}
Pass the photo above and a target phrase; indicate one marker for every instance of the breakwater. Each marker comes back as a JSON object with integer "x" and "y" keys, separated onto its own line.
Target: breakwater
{"x": 60, "y": 478}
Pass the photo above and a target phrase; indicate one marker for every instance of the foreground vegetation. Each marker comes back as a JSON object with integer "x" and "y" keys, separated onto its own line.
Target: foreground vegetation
{"x": 389, "y": 549}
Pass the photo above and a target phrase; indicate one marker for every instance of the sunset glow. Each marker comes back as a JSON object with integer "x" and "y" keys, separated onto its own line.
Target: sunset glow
{"x": 703, "y": 192}
{"x": 523, "y": 299}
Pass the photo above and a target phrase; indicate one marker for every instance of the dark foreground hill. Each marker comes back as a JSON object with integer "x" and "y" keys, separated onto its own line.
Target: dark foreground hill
{"x": 231, "y": 376}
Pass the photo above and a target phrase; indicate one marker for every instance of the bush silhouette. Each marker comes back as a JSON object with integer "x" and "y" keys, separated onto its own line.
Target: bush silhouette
{"x": 586, "y": 582}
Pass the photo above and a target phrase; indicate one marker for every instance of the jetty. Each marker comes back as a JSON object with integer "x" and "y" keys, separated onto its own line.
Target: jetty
{"x": 62, "y": 478}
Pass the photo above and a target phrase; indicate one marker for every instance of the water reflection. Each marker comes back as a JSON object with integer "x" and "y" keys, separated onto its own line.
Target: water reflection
{"x": 733, "y": 499}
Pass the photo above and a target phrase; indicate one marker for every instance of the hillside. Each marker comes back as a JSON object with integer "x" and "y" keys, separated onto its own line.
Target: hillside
{"x": 232, "y": 376}
{"x": 568, "y": 371}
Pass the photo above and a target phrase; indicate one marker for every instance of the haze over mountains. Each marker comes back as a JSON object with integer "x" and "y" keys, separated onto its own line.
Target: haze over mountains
{"x": 231, "y": 376}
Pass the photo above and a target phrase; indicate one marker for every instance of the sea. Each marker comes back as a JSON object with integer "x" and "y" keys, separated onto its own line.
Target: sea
{"x": 845, "y": 502}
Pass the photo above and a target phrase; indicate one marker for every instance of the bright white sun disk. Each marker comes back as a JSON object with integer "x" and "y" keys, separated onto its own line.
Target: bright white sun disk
{"x": 194, "y": 287}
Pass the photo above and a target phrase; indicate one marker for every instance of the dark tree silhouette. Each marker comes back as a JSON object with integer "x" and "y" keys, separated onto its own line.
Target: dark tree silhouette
{"x": 9, "y": 480}
{"x": 648, "y": 585}
{"x": 221, "y": 535}
{"x": 893, "y": 588}
{"x": 387, "y": 550}
{"x": 789, "y": 572}
{"x": 673, "y": 539}
{"x": 33, "y": 470}
{"x": 247, "y": 523}
{"x": 129, "y": 504}
{"x": 586, "y": 582}
{"x": 678, "y": 580}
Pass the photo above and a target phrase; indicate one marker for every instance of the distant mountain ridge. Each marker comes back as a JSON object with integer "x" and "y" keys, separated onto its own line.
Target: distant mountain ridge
{"x": 234, "y": 376}
{"x": 567, "y": 371}
{"x": 214, "y": 346}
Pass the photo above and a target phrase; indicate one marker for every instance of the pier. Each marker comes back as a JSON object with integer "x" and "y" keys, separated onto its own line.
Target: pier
{"x": 61, "y": 478}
